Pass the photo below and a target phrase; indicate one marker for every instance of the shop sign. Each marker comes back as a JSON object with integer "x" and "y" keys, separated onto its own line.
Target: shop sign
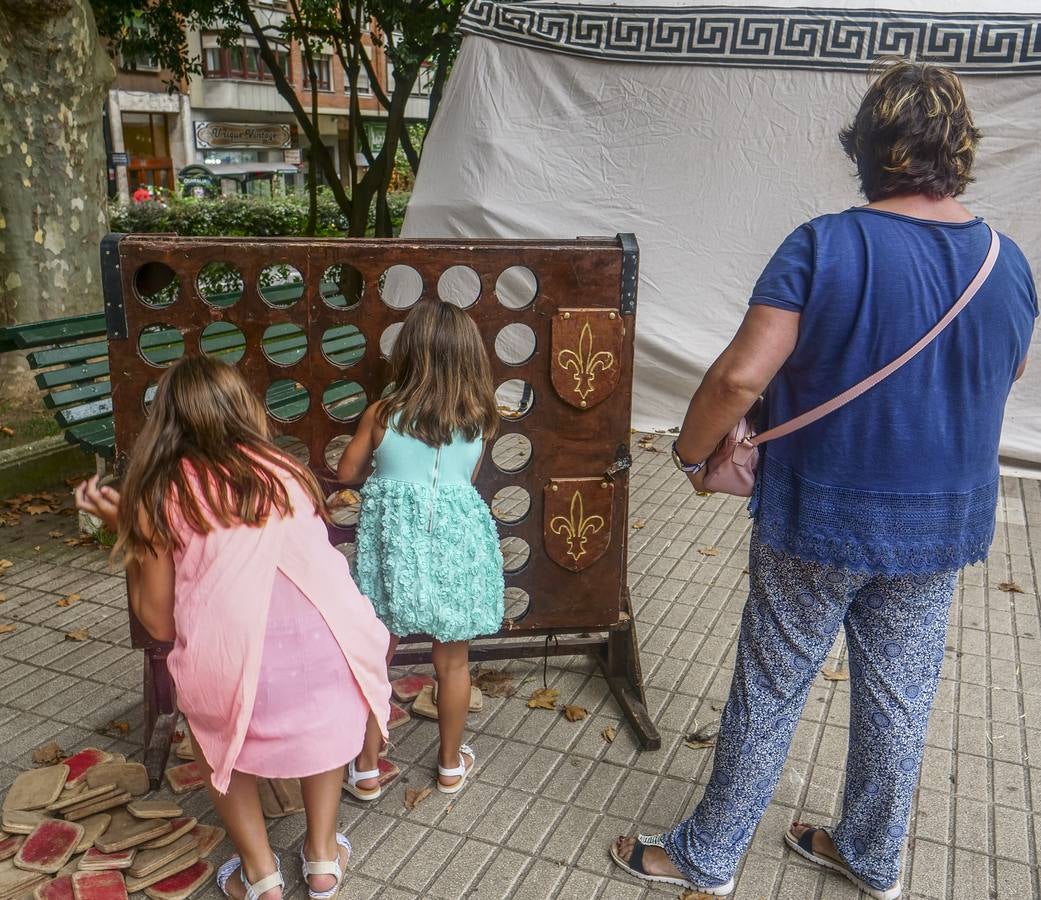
{"x": 236, "y": 134}
{"x": 119, "y": 159}
{"x": 292, "y": 157}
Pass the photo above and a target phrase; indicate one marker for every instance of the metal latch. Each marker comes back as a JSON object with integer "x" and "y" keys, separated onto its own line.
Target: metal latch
{"x": 622, "y": 462}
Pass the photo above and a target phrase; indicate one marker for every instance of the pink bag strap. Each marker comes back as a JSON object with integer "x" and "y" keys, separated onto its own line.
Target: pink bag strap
{"x": 819, "y": 412}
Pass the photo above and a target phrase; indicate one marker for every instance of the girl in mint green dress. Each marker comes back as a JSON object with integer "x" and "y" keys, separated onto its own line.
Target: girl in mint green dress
{"x": 428, "y": 551}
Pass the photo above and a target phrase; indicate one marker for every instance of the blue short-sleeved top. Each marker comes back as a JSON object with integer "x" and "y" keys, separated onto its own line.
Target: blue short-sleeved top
{"x": 905, "y": 478}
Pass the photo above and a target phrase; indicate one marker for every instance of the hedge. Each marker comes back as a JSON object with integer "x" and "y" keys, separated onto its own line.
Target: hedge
{"x": 242, "y": 216}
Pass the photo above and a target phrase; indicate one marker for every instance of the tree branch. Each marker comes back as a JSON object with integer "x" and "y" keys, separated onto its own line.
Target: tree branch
{"x": 324, "y": 158}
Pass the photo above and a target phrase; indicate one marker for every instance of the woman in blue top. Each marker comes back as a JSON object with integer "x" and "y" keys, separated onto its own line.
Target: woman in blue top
{"x": 863, "y": 519}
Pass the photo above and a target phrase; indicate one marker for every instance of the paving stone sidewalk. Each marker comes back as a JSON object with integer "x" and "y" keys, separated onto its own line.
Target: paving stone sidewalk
{"x": 549, "y": 794}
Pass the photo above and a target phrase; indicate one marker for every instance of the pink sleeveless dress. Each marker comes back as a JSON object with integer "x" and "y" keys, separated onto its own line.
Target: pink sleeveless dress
{"x": 278, "y": 657}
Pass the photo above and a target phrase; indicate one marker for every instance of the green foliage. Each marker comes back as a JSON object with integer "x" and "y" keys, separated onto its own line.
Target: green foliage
{"x": 243, "y": 216}
{"x": 416, "y": 34}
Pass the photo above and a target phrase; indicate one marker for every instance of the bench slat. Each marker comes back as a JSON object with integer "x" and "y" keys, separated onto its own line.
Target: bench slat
{"x": 72, "y": 353}
{"x": 41, "y": 334}
{"x": 72, "y": 374}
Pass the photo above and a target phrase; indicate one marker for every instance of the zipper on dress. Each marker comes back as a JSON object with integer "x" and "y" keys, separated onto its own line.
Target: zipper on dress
{"x": 433, "y": 490}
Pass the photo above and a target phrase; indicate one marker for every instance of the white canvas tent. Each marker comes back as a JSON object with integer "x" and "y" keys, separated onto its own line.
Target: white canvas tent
{"x": 711, "y": 132}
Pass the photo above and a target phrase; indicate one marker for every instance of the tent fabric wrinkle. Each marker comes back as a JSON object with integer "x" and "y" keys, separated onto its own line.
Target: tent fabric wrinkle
{"x": 710, "y": 166}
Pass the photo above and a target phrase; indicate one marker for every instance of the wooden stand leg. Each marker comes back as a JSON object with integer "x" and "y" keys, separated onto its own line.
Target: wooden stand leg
{"x": 620, "y": 663}
{"x": 160, "y": 704}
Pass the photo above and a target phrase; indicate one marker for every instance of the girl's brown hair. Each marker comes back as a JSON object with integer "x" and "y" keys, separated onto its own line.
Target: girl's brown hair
{"x": 206, "y": 452}
{"x": 913, "y": 133}
{"x": 442, "y": 377}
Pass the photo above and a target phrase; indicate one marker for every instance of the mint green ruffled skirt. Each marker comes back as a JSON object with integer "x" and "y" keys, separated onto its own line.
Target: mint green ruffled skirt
{"x": 430, "y": 561}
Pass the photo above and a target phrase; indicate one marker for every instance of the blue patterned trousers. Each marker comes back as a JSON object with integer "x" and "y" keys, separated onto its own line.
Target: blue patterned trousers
{"x": 896, "y": 629}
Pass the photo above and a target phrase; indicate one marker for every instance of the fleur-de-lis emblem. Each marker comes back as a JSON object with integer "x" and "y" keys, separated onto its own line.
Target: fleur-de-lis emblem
{"x": 585, "y": 363}
{"x": 576, "y": 527}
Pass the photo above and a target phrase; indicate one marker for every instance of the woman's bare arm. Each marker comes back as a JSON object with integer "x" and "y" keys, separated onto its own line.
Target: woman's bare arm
{"x": 764, "y": 341}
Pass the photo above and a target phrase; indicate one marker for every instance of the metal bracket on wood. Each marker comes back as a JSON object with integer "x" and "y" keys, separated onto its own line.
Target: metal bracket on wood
{"x": 112, "y": 287}
{"x": 622, "y": 461}
{"x": 630, "y": 273}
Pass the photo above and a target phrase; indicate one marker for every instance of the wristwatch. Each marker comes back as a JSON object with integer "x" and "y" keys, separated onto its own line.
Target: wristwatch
{"x": 688, "y": 468}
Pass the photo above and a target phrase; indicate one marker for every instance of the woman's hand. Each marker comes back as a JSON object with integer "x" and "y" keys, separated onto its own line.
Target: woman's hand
{"x": 697, "y": 479}
{"x": 98, "y": 501}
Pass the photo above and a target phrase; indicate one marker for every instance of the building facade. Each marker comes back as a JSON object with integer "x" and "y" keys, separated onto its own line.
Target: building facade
{"x": 231, "y": 118}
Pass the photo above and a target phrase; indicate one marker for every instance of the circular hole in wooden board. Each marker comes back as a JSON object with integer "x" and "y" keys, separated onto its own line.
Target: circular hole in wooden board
{"x": 516, "y": 287}
{"x": 511, "y": 504}
{"x": 511, "y": 452}
{"x": 281, "y": 285}
{"x": 160, "y": 344}
{"x": 342, "y": 286}
{"x": 220, "y": 284}
{"x": 514, "y": 399}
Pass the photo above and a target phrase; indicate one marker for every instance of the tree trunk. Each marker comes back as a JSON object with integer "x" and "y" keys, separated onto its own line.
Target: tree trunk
{"x": 54, "y": 79}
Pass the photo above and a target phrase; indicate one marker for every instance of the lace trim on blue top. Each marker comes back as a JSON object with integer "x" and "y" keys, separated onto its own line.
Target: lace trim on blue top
{"x": 877, "y": 532}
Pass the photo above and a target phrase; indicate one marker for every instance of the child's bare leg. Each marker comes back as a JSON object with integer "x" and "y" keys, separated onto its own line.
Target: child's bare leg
{"x": 241, "y": 813}
{"x": 369, "y": 758}
{"x": 321, "y": 804}
{"x": 452, "y": 665}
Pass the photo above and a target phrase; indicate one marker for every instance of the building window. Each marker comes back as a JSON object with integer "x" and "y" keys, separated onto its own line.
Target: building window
{"x": 424, "y": 82}
{"x": 364, "y": 87}
{"x": 323, "y": 66}
{"x": 240, "y": 61}
{"x": 147, "y": 144}
{"x": 141, "y": 61}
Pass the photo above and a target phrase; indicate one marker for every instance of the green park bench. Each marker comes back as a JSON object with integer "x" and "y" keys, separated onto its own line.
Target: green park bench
{"x": 70, "y": 357}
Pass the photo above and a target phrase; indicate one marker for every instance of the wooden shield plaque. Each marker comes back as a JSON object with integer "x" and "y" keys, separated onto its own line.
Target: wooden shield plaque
{"x": 586, "y": 361}
{"x": 577, "y": 520}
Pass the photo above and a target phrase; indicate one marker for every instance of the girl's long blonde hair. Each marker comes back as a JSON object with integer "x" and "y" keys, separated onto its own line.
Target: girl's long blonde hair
{"x": 207, "y": 433}
{"x": 442, "y": 377}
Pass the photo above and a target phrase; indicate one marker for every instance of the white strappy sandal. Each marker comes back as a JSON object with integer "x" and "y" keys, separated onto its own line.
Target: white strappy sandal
{"x": 255, "y": 890}
{"x": 351, "y": 784}
{"x": 323, "y": 867}
{"x": 461, "y": 770}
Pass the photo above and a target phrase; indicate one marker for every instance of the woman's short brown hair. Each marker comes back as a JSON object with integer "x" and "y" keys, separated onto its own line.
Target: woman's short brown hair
{"x": 913, "y": 133}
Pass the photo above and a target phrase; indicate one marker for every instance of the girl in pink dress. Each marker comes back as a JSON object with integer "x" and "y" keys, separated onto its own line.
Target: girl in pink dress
{"x": 278, "y": 660}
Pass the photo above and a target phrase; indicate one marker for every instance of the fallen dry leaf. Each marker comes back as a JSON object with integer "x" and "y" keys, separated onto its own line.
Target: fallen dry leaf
{"x": 3, "y": 599}
{"x": 68, "y": 601}
{"x": 639, "y": 523}
{"x": 493, "y": 682}
{"x": 6, "y": 430}
{"x": 119, "y": 725}
{"x": 703, "y": 737}
{"x": 708, "y": 551}
{"x": 609, "y": 734}
{"x": 575, "y": 713}
{"x": 544, "y": 698}
{"x": 56, "y": 534}
{"x": 38, "y": 509}
{"x": 703, "y": 493}
{"x": 835, "y": 674}
{"x": 5, "y": 564}
{"x": 1010, "y": 587}
{"x": 695, "y": 895}
{"x": 80, "y": 634}
{"x": 48, "y": 754}
{"x": 7, "y": 627}
{"x": 413, "y": 797}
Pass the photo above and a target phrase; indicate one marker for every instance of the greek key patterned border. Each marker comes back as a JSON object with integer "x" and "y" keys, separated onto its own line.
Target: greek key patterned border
{"x": 757, "y": 36}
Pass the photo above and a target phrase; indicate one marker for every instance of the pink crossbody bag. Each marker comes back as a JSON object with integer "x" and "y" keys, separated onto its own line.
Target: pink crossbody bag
{"x": 731, "y": 469}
